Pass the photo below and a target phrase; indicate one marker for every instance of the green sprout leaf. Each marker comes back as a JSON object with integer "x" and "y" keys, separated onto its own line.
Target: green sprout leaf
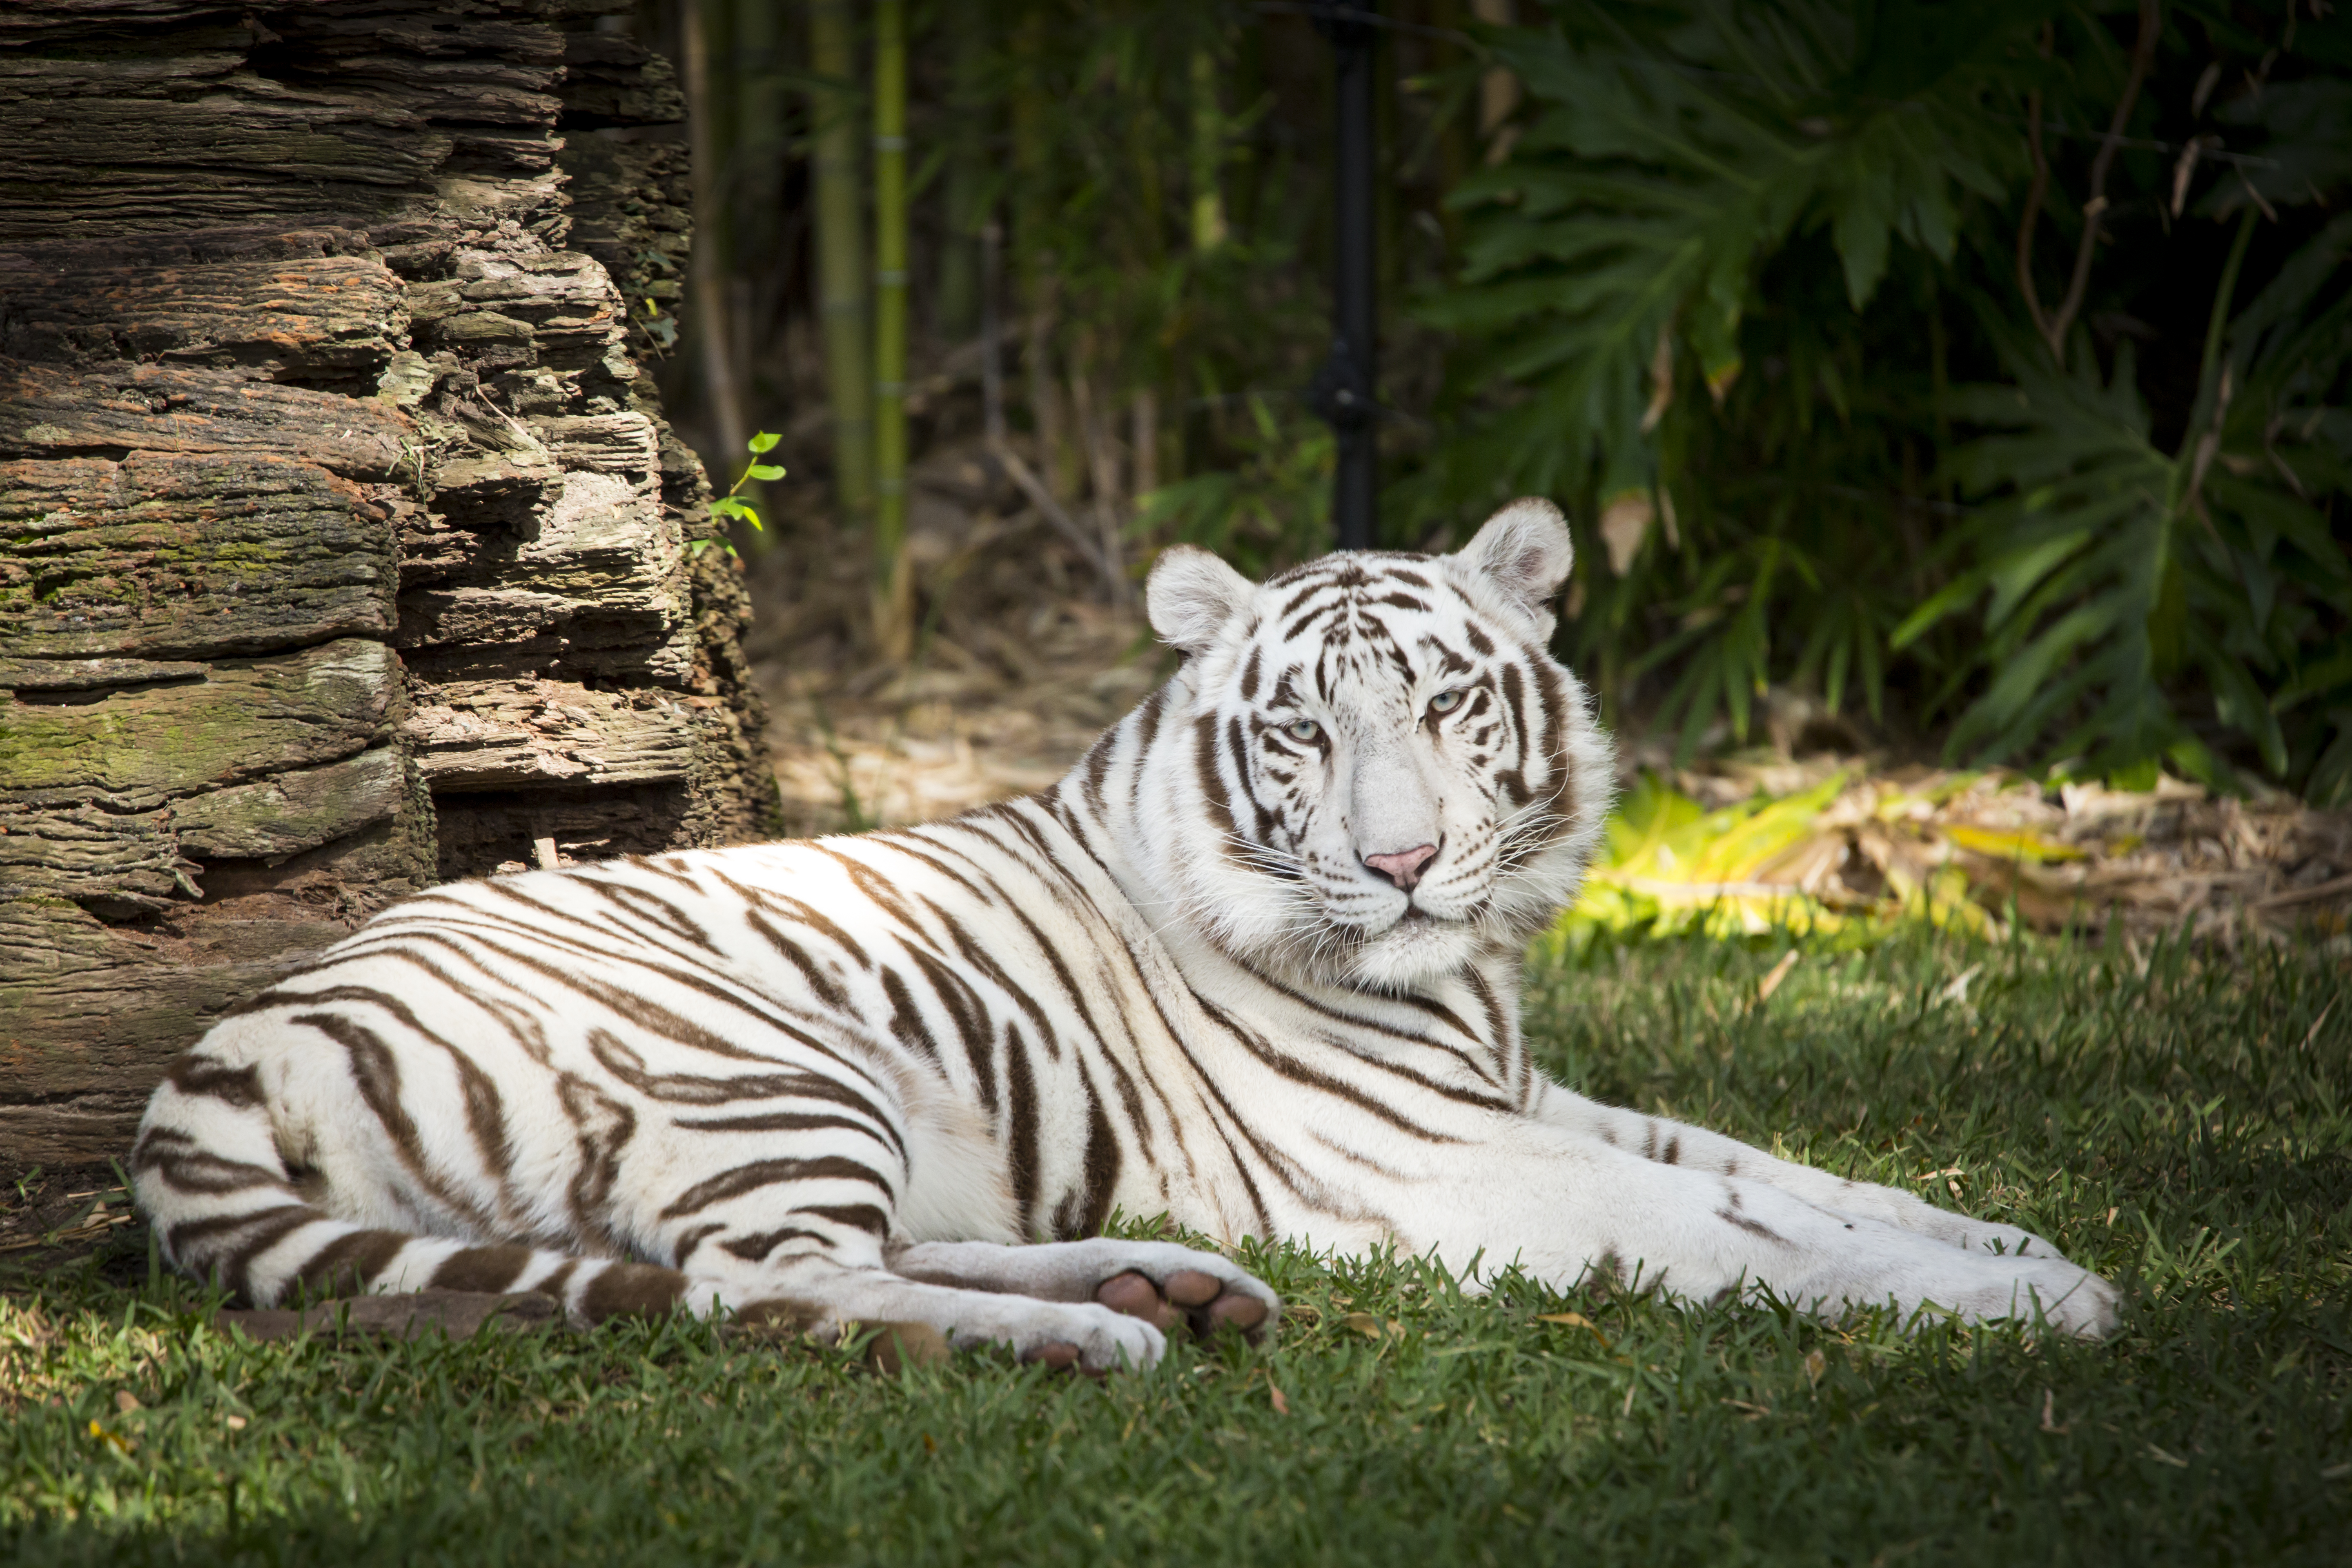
{"x": 765, "y": 441}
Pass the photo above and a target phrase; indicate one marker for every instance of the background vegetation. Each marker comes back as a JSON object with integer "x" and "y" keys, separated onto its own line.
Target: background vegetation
{"x": 1980, "y": 368}
{"x": 2178, "y": 1123}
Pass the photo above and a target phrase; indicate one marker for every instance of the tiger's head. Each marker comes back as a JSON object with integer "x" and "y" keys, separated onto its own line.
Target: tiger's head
{"x": 1395, "y": 776}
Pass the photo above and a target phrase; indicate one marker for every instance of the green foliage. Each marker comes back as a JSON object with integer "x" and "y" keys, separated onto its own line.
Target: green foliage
{"x": 2110, "y": 568}
{"x": 1162, "y": 169}
{"x": 2179, "y": 1124}
{"x": 1746, "y": 293}
{"x": 1271, "y": 508}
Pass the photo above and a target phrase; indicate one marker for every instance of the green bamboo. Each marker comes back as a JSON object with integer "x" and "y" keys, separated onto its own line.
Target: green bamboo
{"x": 1033, "y": 199}
{"x": 708, "y": 35}
{"x": 893, "y": 621}
{"x": 841, "y": 258}
{"x": 963, "y": 176}
{"x": 1209, "y": 230}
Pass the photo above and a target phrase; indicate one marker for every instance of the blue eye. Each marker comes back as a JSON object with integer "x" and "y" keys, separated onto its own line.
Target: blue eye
{"x": 1303, "y": 730}
{"x": 1446, "y": 701}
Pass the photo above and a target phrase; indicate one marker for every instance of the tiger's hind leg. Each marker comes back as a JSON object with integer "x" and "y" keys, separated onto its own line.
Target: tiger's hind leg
{"x": 1159, "y": 1281}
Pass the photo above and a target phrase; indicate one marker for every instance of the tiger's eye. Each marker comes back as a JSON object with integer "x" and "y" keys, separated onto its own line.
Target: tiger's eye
{"x": 1302, "y": 730}
{"x": 1446, "y": 701}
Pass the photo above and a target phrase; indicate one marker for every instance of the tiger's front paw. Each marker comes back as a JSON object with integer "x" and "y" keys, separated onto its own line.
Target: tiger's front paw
{"x": 1193, "y": 1296}
{"x": 1165, "y": 1284}
{"x": 1091, "y": 1338}
{"x": 2071, "y": 1301}
{"x": 1921, "y": 1217}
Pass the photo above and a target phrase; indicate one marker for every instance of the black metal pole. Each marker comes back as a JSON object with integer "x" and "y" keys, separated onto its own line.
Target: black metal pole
{"x": 1345, "y": 387}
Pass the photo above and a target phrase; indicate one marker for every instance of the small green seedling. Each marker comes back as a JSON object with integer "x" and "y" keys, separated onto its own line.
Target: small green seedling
{"x": 733, "y": 505}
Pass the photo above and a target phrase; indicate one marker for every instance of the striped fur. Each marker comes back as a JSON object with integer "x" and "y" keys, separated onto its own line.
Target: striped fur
{"x": 1253, "y": 963}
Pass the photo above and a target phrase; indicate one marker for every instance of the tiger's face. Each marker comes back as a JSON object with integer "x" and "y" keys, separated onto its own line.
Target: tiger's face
{"x": 1397, "y": 777}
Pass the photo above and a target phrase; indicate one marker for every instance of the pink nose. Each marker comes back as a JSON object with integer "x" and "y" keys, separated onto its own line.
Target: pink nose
{"x": 1403, "y": 867}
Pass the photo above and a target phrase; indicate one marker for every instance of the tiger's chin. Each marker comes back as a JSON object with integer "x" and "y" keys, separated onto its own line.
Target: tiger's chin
{"x": 1418, "y": 948}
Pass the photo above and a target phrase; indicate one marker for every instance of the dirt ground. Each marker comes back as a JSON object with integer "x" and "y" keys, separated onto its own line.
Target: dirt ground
{"x": 1024, "y": 656}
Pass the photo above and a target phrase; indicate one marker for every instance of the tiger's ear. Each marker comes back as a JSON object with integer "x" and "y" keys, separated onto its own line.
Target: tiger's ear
{"x": 1191, "y": 595}
{"x": 1524, "y": 552}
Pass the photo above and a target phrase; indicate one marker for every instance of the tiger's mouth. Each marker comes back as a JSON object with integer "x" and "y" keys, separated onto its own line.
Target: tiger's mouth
{"x": 1418, "y": 945}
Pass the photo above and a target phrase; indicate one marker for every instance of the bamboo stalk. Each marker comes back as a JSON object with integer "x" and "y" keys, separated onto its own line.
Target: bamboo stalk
{"x": 841, "y": 259}
{"x": 894, "y": 615}
{"x": 992, "y": 334}
{"x": 956, "y": 306}
{"x": 1032, "y": 260}
{"x": 1209, "y": 230}
{"x": 1093, "y": 421}
{"x": 1144, "y": 421}
{"x": 761, "y": 110}
{"x": 706, "y": 268}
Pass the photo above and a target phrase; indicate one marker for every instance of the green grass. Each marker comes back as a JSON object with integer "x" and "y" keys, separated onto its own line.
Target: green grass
{"x": 2185, "y": 1126}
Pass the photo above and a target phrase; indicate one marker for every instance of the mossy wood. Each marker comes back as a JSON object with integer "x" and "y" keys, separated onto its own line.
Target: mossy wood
{"x": 343, "y": 545}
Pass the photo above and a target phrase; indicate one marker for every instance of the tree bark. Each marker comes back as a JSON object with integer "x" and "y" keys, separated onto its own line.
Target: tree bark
{"x": 343, "y": 546}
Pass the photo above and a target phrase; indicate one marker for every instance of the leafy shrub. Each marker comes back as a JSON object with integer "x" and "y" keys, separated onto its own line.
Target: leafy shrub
{"x": 1762, "y": 292}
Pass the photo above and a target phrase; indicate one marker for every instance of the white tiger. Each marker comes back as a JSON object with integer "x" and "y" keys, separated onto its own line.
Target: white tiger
{"x": 1254, "y": 964}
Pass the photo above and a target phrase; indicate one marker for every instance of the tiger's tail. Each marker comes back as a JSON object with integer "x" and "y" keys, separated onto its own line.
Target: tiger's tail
{"x": 209, "y": 1175}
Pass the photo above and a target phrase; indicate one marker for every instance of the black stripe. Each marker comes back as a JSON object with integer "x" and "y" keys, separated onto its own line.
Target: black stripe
{"x": 1102, "y": 1161}
{"x": 754, "y": 1249}
{"x": 1237, "y": 748}
{"x": 523, "y": 1025}
{"x": 650, "y": 1017}
{"x": 375, "y": 1071}
{"x": 1298, "y": 1071}
{"x": 666, "y": 916}
{"x": 602, "y": 1127}
{"x": 193, "y": 1073}
{"x": 1098, "y": 765}
{"x": 1021, "y": 1096}
{"x": 806, "y": 914}
{"x": 828, "y": 990}
{"x": 967, "y": 1012}
{"x": 619, "y": 1058}
{"x": 759, "y": 1174}
{"x": 183, "y": 1164}
{"x": 488, "y": 1269}
{"x": 775, "y": 1121}
{"x": 906, "y": 1019}
{"x": 875, "y": 887}
{"x": 351, "y": 1262}
{"x": 1514, "y": 780}
{"x": 856, "y": 1217}
{"x": 646, "y": 1015}
{"x": 1213, "y": 788}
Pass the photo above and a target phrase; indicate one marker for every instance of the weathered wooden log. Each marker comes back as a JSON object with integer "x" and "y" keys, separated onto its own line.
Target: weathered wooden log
{"x": 492, "y": 735}
{"x": 113, "y": 410}
{"x": 342, "y": 544}
{"x": 170, "y": 555}
{"x": 327, "y": 316}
